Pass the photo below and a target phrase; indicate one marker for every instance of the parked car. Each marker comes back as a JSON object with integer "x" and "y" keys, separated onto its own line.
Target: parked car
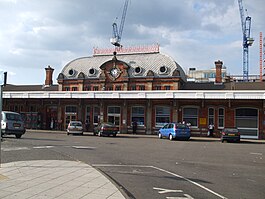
{"x": 230, "y": 134}
{"x": 175, "y": 131}
{"x": 75, "y": 127}
{"x": 106, "y": 128}
{"x": 12, "y": 124}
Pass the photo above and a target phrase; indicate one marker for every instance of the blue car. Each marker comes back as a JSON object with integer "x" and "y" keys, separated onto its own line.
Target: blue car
{"x": 175, "y": 131}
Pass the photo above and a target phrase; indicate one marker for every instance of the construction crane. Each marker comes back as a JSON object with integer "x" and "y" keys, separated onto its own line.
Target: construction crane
{"x": 116, "y": 39}
{"x": 247, "y": 40}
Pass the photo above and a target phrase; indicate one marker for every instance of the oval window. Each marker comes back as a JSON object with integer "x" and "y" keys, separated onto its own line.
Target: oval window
{"x": 92, "y": 71}
{"x": 71, "y": 72}
{"x": 138, "y": 70}
{"x": 163, "y": 69}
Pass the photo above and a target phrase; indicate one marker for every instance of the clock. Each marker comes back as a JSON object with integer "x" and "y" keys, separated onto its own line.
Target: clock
{"x": 114, "y": 73}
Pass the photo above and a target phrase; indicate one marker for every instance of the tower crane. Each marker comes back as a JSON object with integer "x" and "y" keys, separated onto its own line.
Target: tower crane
{"x": 247, "y": 40}
{"x": 116, "y": 39}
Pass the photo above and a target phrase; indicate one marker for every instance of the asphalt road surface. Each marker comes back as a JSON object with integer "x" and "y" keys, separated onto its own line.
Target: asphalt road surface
{"x": 148, "y": 167}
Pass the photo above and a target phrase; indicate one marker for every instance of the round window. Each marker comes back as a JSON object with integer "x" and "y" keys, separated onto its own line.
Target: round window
{"x": 92, "y": 71}
{"x": 163, "y": 69}
{"x": 71, "y": 72}
{"x": 138, "y": 70}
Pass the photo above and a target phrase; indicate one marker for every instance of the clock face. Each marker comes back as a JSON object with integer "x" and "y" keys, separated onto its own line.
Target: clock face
{"x": 115, "y": 72}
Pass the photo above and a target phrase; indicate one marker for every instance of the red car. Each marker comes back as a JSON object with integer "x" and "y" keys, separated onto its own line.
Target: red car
{"x": 106, "y": 128}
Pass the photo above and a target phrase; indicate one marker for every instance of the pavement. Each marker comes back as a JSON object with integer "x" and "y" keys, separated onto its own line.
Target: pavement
{"x": 48, "y": 179}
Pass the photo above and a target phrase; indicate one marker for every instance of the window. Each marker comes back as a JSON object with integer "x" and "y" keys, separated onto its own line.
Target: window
{"x": 133, "y": 88}
{"x": 70, "y": 110}
{"x": 138, "y": 115}
{"x": 118, "y": 88}
{"x": 87, "y": 88}
{"x": 74, "y": 89}
{"x": 211, "y": 116}
{"x": 247, "y": 122}
{"x": 221, "y": 117}
{"x": 190, "y": 115}
{"x": 96, "y": 114}
{"x": 95, "y": 88}
{"x": 157, "y": 87}
{"x": 142, "y": 87}
{"x": 167, "y": 87}
{"x": 67, "y": 88}
{"x": 162, "y": 115}
{"x": 88, "y": 109}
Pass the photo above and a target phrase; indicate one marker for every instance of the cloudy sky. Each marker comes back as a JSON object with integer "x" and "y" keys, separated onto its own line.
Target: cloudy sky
{"x": 195, "y": 33}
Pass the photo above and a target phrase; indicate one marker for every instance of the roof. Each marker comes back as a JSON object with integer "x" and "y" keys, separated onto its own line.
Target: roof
{"x": 10, "y": 87}
{"x": 144, "y": 61}
{"x": 224, "y": 86}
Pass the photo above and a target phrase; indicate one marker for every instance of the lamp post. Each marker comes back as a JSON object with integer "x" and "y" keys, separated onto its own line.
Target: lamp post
{"x": 3, "y": 83}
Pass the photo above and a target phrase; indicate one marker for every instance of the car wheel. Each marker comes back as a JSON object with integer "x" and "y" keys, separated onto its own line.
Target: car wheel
{"x": 171, "y": 137}
{"x": 18, "y": 136}
{"x": 114, "y": 135}
{"x": 160, "y": 136}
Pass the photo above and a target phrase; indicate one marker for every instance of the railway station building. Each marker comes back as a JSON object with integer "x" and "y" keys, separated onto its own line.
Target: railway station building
{"x": 138, "y": 84}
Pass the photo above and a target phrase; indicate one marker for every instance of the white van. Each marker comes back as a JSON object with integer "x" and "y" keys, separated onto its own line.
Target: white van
{"x": 12, "y": 124}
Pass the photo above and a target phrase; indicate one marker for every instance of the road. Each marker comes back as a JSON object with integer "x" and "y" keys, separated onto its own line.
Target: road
{"x": 148, "y": 167}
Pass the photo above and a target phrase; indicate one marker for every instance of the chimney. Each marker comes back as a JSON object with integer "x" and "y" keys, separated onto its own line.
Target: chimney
{"x": 218, "y": 75}
{"x": 48, "y": 80}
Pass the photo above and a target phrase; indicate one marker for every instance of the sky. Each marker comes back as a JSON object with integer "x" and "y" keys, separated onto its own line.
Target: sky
{"x": 195, "y": 33}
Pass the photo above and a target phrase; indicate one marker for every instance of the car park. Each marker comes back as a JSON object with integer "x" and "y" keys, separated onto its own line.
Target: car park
{"x": 12, "y": 124}
{"x": 75, "y": 127}
{"x": 230, "y": 134}
{"x": 106, "y": 128}
{"x": 175, "y": 131}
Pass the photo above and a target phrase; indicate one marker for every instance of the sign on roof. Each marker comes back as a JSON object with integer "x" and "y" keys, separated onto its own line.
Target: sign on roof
{"x": 127, "y": 50}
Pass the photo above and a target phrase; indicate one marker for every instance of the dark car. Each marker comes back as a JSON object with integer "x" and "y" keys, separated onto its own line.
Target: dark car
{"x": 106, "y": 128}
{"x": 175, "y": 131}
{"x": 230, "y": 134}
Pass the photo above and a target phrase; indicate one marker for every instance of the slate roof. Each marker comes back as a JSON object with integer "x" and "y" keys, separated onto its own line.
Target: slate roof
{"x": 10, "y": 87}
{"x": 145, "y": 61}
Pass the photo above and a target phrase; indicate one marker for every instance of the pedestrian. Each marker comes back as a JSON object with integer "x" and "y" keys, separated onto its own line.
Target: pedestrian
{"x": 134, "y": 126}
{"x": 211, "y": 129}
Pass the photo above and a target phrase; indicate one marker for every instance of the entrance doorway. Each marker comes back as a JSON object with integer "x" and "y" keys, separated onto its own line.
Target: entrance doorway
{"x": 114, "y": 115}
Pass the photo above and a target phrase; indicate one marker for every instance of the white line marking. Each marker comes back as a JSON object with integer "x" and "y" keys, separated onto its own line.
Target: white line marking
{"x": 15, "y": 149}
{"x": 165, "y": 171}
{"x": 83, "y": 147}
{"x": 255, "y": 153}
{"x": 192, "y": 182}
{"x": 161, "y": 190}
{"x": 43, "y": 147}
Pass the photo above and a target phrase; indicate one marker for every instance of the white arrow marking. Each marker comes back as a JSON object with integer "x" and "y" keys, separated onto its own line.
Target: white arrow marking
{"x": 161, "y": 190}
{"x": 186, "y": 197}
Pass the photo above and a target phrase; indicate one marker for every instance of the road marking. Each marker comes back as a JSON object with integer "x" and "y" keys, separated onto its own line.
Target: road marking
{"x": 187, "y": 196}
{"x": 255, "y": 153}
{"x": 83, "y": 147}
{"x": 165, "y": 171}
{"x": 161, "y": 190}
{"x": 42, "y": 147}
{"x": 15, "y": 149}
{"x": 192, "y": 182}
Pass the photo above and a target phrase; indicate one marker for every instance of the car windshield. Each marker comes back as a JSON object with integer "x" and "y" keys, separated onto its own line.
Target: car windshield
{"x": 108, "y": 124}
{"x": 76, "y": 124}
{"x": 12, "y": 116}
{"x": 181, "y": 126}
{"x": 232, "y": 130}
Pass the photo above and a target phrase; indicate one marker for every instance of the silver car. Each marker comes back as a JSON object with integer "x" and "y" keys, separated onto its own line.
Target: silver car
{"x": 12, "y": 124}
{"x": 75, "y": 127}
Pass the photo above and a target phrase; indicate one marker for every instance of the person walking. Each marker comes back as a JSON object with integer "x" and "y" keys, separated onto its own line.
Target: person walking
{"x": 211, "y": 129}
{"x": 134, "y": 126}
